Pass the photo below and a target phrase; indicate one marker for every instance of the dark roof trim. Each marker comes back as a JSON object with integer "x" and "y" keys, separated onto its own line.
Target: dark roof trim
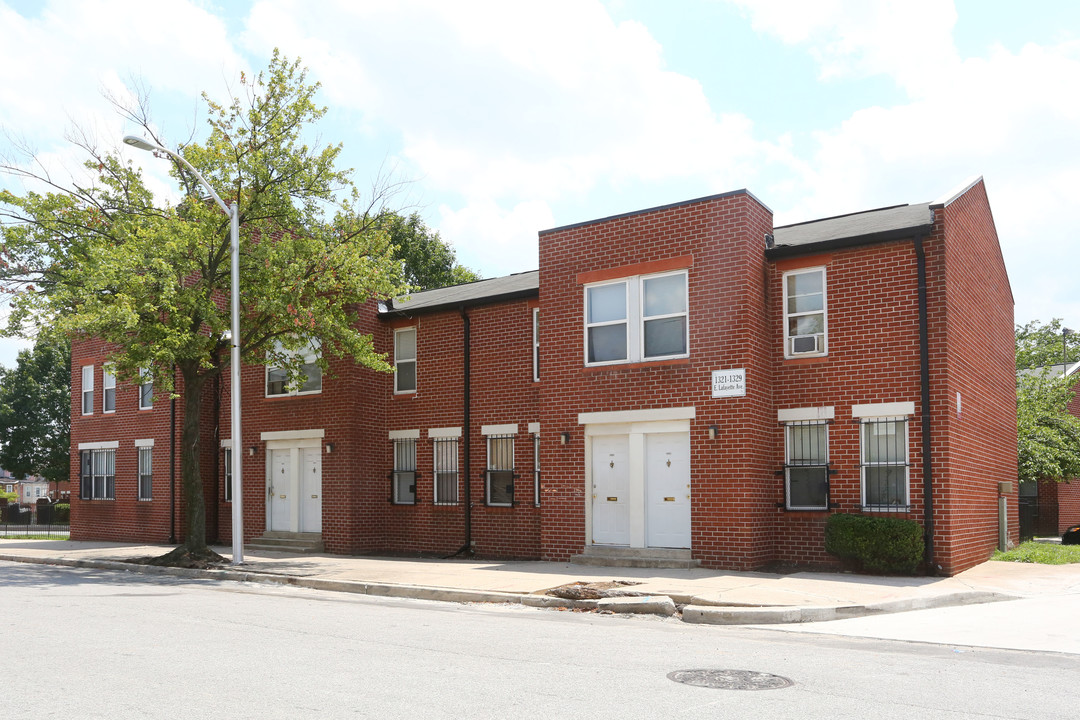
{"x": 783, "y": 251}
{"x": 682, "y": 203}
{"x": 387, "y": 309}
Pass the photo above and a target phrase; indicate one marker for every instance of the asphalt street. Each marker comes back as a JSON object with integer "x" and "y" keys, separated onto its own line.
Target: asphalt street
{"x": 85, "y": 643}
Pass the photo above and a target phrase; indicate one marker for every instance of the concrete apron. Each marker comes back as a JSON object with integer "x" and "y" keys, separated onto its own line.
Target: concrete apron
{"x": 694, "y": 609}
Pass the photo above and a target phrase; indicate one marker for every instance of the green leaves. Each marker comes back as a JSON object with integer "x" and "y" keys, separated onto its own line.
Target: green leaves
{"x": 35, "y": 411}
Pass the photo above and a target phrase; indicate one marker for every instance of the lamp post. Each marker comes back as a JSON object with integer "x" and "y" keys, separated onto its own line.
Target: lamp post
{"x": 1065, "y": 333}
{"x": 233, "y": 211}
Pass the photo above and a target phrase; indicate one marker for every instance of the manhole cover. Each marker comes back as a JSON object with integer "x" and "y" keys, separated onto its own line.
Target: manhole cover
{"x": 730, "y": 679}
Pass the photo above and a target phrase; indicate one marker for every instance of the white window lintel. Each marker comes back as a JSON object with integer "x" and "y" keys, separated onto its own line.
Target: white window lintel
{"x": 631, "y": 416}
{"x": 507, "y": 429}
{"x": 144, "y": 442}
{"x": 404, "y": 434}
{"x": 446, "y": 432}
{"x": 292, "y": 434}
{"x": 893, "y": 409}
{"x": 534, "y": 428}
{"x": 104, "y": 445}
{"x": 824, "y": 412}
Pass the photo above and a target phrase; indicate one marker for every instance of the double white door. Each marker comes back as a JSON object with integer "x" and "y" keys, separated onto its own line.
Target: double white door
{"x": 294, "y": 490}
{"x": 641, "y": 489}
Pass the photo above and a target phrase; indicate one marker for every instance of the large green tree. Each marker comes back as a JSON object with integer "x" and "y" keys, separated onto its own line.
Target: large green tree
{"x": 1048, "y": 434}
{"x": 35, "y": 411}
{"x": 107, "y": 259}
{"x": 428, "y": 262}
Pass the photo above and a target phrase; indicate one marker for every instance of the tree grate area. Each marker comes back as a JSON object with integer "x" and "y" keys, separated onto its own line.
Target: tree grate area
{"x": 730, "y": 679}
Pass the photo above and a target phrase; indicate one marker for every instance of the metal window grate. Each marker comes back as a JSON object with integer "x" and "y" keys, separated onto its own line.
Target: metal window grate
{"x": 806, "y": 465}
{"x": 445, "y": 451}
{"x": 884, "y": 464}
{"x": 536, "y": 469}
{"x": 98, "y": 476}
{"x": 403, "y": 477}
{"x": 500, "y": 470}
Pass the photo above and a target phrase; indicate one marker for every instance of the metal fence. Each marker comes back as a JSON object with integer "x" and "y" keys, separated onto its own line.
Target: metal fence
{"x": 35, "y": 521}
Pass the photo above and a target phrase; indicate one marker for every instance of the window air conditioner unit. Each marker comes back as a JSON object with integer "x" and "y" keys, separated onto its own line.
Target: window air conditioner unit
{"x": 801, "y": 344}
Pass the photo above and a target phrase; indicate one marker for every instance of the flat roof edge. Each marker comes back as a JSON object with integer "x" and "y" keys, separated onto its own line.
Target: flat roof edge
{"x": 450, "y": 304}
{"x": 669, "y": 206}
{"x": 782, "y": 251}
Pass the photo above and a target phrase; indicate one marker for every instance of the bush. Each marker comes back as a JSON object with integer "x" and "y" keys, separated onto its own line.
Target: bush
{"x": 61, "y": 513}
{"x": 878, "y": 544}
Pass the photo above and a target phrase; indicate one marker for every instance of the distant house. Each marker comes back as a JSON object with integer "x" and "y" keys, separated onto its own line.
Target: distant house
{"x": 686, "y": 384}
{"x": 1049, "y": 507}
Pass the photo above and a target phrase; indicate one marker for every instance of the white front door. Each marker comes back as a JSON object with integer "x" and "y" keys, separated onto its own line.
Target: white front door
{"x": 279, "y": 491}
{"x": 611, "y": 490}
{"x": 667, "y": 490}
{"x": 310, "y": 490}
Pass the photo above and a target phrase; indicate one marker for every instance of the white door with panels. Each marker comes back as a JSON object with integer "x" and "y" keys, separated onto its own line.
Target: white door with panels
{"x": 310, "y": 490}
{"x": 279, "y": 491}
{"x": 667, "y": 490}
{"x": 610, "y": 490}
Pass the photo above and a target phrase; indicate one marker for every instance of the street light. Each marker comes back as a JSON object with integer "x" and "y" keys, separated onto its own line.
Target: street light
{"x": 233, "y": 211}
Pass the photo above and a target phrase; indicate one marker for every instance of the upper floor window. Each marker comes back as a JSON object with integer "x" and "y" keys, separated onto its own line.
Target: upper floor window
{"x": 805, "y": 325}
{"x": 108, "y": 389}
{"x": 88, "y": 390}
{"x": 310, "y": 381}
{"x": 405, "y": 360}
{"x": 146, "y": 389}
{"x": 637, "y": 319}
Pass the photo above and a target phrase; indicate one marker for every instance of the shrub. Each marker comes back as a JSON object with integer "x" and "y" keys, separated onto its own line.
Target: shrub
{"x": 878, "y": 544}
{"x": 61, "y": 513}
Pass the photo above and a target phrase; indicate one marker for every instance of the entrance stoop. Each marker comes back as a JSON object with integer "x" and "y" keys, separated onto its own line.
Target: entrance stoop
{"x": 290, "y": 542}
{"x": 608, "y": 556}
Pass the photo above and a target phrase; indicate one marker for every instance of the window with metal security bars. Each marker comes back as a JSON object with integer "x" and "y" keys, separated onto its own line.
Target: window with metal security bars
{"x": 403, "y": 478}
{"x": 499, "y": 482}
{"x": 98, "y": 476}
{"x": 445, "y": 451}
{"x": 536, "y": 469}
{"x": 884, "y": 461}
{"x": 146, "y": 473}
{"x": 228, "y": 474}
{"x": 806, "y": 465}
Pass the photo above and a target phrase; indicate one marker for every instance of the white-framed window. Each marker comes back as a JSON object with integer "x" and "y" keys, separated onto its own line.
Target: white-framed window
{"x": 98, "y": 476}
{"x": 536, "y": 343}
{"x": 445, "y": 458}
{"x": 108, "y": 389}
{"x": 88, "y": 390}
{"x": 883, "y": 452}
{"x": 536, "y": 469}
{"x": 310, "y": 382}
{"x": 636, "y": 319}
{"x": 499, "y": 484}
{"x": 403, "y": 477}
{"x": 806, "y": 465}
{"x": 228, "y": 475}
{"x": 146, "y": 473}
{"x": 405, "y": 360}
{"x": 146, "y": 389}
{"x": 805, "y": 313}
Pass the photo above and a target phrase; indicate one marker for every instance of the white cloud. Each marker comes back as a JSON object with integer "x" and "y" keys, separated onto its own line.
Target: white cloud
{"x": 493, "y": 239}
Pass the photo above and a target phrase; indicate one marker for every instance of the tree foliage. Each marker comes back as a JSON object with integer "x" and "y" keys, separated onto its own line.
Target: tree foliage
{"x": 1048, "y": 434}
{"x": 35, "y": 412}
{"x": 106, "y": 259}
{"x": 428, "y": 262}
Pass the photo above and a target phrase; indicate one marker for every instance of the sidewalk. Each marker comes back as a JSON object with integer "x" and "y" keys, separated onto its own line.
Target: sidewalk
{"x": 703, "y": 596}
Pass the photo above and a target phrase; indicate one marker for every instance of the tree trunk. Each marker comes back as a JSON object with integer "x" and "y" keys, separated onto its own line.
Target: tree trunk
{"x": 194, "y": 504}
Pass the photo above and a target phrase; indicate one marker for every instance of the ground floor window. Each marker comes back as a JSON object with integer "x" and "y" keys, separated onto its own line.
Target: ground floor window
{"x": 806, "y": 465}
{"x": 536, "y": 469}
{"x": 500, "y": 470}
{"x": 98, "y": 477}
{"x": 445, "y": 451}
{"x": 403, "y": 477}
{"x": 884, "y": 464}
{"x": 146, "y": 473}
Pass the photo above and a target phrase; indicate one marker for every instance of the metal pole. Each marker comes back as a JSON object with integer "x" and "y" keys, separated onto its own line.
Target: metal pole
{"x": 234, "y": 393}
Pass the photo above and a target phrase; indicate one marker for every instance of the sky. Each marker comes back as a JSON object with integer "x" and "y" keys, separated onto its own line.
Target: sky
{"x": 502, "y": 119}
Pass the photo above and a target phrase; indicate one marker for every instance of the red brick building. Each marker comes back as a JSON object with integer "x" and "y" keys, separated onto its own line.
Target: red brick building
{"x": 686, "y": 382}
{"x": 1057, "y": 504}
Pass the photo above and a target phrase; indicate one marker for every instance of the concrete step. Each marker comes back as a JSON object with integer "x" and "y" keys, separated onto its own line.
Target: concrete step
{"x": 301, "y": 543}
{"x": 613, "y": 556}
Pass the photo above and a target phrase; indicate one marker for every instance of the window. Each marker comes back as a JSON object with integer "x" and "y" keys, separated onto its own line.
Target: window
{"x": 108, "y": 389}
{"x": 536, "y": 469}
{"x": 884, "y": 461}
{"x": 404, "y": 475}
{"x": 310, "y": 379}
{"x": 636, "y": 319}
{"x": 88, "y": 390}
{"x": 445, "y": 451}
{"x": 98, "y": 477}
{"x": 805, "y": 313}
{"x": 500, "y": 470}
{"x": 536, "y": 343}
{"x": 405, "y": 360}
{"x": 146, "y": 389}
{"x": 806, "y": 466}
{"x": 146, "y": 473}
{"x": 228, "y": 474}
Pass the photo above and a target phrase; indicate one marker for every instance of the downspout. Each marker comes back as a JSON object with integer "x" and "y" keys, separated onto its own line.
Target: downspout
{"x": 172, "y": 462}
{"x": 924, "y": 375}
{"x": 466, "y": 429}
